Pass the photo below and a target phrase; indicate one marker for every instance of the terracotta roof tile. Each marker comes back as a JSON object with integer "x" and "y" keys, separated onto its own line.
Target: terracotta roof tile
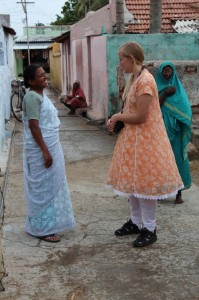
{"x": 172, "y": 10}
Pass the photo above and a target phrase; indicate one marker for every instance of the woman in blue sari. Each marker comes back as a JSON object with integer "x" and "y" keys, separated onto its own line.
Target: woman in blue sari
{"x": 177, "y": 115}
{"x": 49, "y": 208}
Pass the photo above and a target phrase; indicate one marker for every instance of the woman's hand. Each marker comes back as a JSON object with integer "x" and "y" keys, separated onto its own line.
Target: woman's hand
{"x": 116, "y": 117}
{"x": 170, "y": 90}
{"x": 112, "y": 121}
{"x": 37, "y": 135}
{"x": 47, "y": 159}
{"x": 110, "y": 125}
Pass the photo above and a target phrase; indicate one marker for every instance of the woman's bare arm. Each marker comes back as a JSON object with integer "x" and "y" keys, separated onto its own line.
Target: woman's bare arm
{"x": 140, "y": 116}
{"x": 37, "y": 135}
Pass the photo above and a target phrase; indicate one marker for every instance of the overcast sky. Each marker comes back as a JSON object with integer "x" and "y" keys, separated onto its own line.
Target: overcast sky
{"x": 42, "y": 11}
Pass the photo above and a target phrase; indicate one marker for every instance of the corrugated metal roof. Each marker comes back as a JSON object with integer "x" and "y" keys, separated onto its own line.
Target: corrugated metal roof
{"x": 24, "y": 46}
{"x": 172, "y": 10}
{"x": 61, "y": 38}
{"x": 186, "y": 26}
{"x": 35, "y": 39}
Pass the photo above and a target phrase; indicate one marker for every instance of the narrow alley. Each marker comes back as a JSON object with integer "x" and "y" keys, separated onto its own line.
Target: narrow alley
{"x": 90, "y": 263}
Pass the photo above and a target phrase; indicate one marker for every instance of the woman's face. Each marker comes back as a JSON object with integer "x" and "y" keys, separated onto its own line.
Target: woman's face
{"x": 76, "y": 85}
{"x": 167, "y": 72}
{"x": 40, "y": 81}
{"x": 126, "y": 62}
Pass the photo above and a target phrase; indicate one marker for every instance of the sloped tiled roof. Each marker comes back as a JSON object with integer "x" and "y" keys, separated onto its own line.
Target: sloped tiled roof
{"x": 172, "y": 10}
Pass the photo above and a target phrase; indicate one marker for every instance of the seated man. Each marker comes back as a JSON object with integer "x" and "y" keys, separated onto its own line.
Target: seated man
{"x": 76, "y": 100}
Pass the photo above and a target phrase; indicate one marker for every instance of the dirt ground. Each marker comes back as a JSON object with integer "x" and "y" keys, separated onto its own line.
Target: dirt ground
{"x": 194, "y": 166}
{"x": 90, "y": 262}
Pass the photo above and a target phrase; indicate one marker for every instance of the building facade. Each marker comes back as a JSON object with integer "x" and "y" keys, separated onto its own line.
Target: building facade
{"x": 6, "y": 74}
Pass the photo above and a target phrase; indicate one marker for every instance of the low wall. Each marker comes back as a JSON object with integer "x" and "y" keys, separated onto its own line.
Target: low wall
{"x": 181, "y": 49}
{"x": 188, "y": 72}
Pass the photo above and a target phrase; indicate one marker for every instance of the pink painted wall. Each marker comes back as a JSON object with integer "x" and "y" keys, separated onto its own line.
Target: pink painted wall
{"x": 80, "y": 69}
{"x": 66, "y": 68}
{"x": 88, "y": 55}
{"x": 92, "y": 24}
{"x": 86, "y": 84}
{"x": 76, "y": 54}
{"x": 90, "y": 67}
{"x": 99, "y": 77}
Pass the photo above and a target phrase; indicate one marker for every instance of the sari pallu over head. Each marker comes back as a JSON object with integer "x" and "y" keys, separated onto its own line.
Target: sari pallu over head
{"x": 78, "y": 92}
{"x": 176, "y": 105}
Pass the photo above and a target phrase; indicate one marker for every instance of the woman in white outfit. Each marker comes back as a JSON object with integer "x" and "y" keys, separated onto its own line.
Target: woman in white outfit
{"x": 49, "y": 208}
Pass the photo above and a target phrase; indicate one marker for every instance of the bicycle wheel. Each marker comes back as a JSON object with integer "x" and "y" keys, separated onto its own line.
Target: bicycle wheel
{"x": 16, "y": 106}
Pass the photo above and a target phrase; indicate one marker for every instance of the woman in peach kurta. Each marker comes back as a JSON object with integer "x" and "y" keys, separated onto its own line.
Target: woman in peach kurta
{"x": 143, "y": 165}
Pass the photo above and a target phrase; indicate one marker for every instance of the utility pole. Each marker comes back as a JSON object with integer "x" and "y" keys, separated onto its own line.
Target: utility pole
{"x": 24, "y": 2}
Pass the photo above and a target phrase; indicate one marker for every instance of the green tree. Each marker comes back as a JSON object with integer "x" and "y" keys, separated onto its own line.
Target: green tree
{"x": 69, "y": 12}
{"x": 74, "y": 10}
{"x": 97, "y": 4}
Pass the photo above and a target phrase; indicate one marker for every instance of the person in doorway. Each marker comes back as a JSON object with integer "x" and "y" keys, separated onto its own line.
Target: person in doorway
{"x": 49, "y": 208}
{"x": 77, "y": 99}
{"x": 177, "y": 116}
{"x": 143, "y": 166}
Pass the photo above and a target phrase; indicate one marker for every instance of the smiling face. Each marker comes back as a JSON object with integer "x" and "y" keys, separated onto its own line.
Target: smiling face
{"x": 126, "y": 62}
{"x": 40, "y": 79}
{"x": 167, "y": 72}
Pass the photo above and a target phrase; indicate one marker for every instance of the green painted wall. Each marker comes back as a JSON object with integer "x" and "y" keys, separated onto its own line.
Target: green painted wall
{"x": 19, "y": 67}
{"x": 178, "y": 47}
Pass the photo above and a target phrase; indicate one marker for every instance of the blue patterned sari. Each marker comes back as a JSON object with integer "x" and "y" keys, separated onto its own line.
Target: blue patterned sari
{"x": 48, "y": 203}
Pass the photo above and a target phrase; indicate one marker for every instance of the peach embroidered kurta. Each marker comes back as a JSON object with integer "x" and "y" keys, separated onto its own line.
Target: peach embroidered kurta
{"x": 143, "y": 163}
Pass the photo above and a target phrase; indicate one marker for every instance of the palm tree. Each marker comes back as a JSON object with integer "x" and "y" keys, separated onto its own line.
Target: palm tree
{"x": 84, "y": 6}
{"x": 97, "y": 4}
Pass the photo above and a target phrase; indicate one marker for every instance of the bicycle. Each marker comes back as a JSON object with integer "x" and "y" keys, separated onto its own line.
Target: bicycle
{"x": 16, "y": 99}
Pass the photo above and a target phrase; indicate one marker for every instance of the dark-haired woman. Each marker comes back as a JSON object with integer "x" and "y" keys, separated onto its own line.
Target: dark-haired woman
{"x": 49, "y": 208}
{"x": 177, "y": 116}
{"x": 76, "y": 100}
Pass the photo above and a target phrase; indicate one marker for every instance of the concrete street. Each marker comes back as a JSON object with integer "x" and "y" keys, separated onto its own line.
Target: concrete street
{"x": 90, "y": 263}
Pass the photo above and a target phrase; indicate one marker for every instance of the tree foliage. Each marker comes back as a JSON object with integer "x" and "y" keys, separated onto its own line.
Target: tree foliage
{"x": 69, "y": 13}
{"x": 74, "y": 10}
{"x": 97, "y": 4}
{"x": 84, "y": 6}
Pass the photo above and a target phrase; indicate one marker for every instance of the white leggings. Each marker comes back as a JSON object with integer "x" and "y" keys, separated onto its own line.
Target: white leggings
{"x": 143, "y": 212}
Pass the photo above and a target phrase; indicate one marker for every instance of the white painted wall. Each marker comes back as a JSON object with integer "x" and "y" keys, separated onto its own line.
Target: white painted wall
{"x": 5, "y": 90}
{"x": 6, "y": 75}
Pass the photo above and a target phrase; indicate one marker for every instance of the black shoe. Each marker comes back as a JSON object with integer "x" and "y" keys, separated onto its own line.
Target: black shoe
{"x": 127, "y": 228}
{"x": 145, "y": 238}
{"x": 67, "y": 105}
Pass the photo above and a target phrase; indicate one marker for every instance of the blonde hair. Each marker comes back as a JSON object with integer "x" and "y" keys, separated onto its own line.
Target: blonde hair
{"x": 134, "y": 50}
